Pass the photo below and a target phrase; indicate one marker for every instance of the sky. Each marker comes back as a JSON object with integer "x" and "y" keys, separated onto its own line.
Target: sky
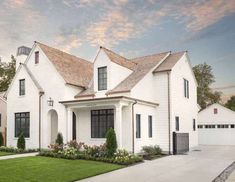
{"x": 132, "y": 28}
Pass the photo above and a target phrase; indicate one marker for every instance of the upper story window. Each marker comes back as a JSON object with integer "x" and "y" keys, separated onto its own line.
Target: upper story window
{"x": 102, "y": 78}
{"x": 186, "y": 88}
{"x": 22, "y": 87}
{"x": 36, "y": 57}
{"x": 215, "y": 111}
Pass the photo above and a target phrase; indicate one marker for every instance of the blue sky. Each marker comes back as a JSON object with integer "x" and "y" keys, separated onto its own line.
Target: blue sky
{"x": 206, "y": 28}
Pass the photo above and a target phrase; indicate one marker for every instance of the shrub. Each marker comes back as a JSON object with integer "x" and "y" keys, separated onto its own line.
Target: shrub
{"x": 1, "y": 139}
{"x": 21, "y": 142}
{"x": 95, "y": 151}
{"x": 152, "y": 150}
{"x": 74, "y": 144}
{"x": 111, "y": 142}
{"x": 16, "y": 150}
{"x": 59, "y": 139}
{"x": 55, "y": 147}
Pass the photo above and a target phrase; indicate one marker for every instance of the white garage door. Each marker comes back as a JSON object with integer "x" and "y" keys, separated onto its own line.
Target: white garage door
{"x": 222, "y": 134}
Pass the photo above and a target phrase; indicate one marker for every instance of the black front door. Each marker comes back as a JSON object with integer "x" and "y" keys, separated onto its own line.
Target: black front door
{"x": 74, "y": 127}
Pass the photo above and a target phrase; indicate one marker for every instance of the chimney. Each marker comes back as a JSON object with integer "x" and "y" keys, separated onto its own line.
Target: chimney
{"x": 21, "y": 55}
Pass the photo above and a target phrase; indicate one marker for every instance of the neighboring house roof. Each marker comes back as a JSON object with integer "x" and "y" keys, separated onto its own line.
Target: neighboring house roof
{"x": 119, "y": 59}
{"x": 143, "y": 66}
{"x": 169, "y": 62}
{"x": 216, "y": 105}
{"x": 2, "y": 96}
{"x": 75, "y": 71}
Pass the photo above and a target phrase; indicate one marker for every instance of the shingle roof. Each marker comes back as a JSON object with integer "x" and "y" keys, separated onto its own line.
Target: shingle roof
{"x": 74, "y": 70}
{"x": 143, "y": 66}
{"x": 169, "y": 62}
{"x": 119, "y": 59}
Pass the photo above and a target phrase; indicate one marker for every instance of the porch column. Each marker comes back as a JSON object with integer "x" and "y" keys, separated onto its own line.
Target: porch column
{"x": 69, "y": 124}
{"x": 118, "y": 124}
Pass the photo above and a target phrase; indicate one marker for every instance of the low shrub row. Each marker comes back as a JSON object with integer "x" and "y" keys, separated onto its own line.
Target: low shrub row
{"x": 151, "y": 152}
{"x": 16, "y": 150}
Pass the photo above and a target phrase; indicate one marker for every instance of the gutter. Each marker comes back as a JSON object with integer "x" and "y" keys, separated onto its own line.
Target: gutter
{"x": 133, "y": 127}
{"x": 169, "y": 112}
{"x": 40, "y": 110}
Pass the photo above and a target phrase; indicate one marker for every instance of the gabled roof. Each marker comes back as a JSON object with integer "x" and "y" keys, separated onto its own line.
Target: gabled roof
{"x": 75, "y": 71}
{"x": 169, "y": 62}
{"x": 143, "y": 66}
{"x": 119, "y": 59}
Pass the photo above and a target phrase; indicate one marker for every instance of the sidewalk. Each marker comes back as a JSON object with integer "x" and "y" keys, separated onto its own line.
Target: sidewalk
{"x": 18, "y": 156}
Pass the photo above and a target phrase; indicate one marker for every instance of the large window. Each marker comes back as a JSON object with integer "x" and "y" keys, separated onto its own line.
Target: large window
{"x": 36, "y": 57}
{"x": 186, "y": 88}
{"x": 150, "y": 127}
{"x": 138, "y": 126}
{"x": 22, "y": 124}
{"x": 101, "y": 121}
{"x": 22, "y": 87}
{"x": 102, "y": 78}
{"x": 177, "y": 123}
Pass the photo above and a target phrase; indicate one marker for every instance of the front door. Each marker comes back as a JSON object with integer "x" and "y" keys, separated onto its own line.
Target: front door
{"x": 74, "y": 127}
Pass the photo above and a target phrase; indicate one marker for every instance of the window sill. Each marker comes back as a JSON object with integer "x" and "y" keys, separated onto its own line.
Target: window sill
{"x": 21, "y": 96}
{"x": 24, "y": 138}
{"x": 97, "y": 139}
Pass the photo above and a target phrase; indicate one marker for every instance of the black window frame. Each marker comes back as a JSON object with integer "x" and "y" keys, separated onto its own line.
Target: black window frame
{"x": 19, "y": 126}
{"x": 194, "y": 124}
{"x": 101, "y": 121}
{"x": 232, "y": 126}
{"x": 22, "y": 87}
{"x": 36, "y": 57}
{"x": 199, "y": 126}
{"x": 150, "y": 126}
{"x": 186, "y": 88}
{"x": 138, "y": 126}
{"x": 177, "y": 123}
{"x": 0, "y": 119}
{"x": 102, "y": 78}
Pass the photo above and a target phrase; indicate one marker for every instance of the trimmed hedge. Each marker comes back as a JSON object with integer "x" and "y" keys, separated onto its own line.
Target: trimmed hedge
{"x": 16, "y": 150}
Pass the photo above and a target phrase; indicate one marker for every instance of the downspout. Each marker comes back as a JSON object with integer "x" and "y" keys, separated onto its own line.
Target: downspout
{"x": 169, "y": 111}
{"x": 133, "y": 128}
{"x": 40, "y": 110}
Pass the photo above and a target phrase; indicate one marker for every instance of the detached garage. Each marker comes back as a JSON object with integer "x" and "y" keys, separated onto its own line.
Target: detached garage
{"x": 216, "y": 126}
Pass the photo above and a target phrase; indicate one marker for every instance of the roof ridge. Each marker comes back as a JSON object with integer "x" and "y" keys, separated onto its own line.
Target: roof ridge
{"x": 63, "y": 52}
{"x": 114, "y": 52}
{"x": 132, "y": 59}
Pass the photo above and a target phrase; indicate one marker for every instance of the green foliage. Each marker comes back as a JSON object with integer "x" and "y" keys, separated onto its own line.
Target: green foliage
{"x": 7, "y": 73}
{"x": 16, "y": 150}
{"x": 111, "y": 142}
{"x": 1, "y": 139}
{"x": 21, "y": 142}
{"x": 231, "y": 103}
{"x": 151, "y": 152}
{"x": 59, "y": 139}
{"x": 205, "y": 77}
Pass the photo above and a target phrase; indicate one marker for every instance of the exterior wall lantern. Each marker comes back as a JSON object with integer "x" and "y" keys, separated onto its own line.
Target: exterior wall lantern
{"x": 50, "y": 102}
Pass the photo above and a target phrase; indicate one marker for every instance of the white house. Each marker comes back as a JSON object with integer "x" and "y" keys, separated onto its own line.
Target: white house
{"x": 144, "y": 99}
{"x": 3, "y": 115}
{"x": 216, "y": 126}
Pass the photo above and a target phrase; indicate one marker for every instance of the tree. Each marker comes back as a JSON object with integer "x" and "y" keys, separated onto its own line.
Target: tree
{"x": 1, "y": 139}
{"x": 111, "y": 142}
{"x": 21, "y": 141}
{"x": 205, "y": 77}
{"x": 59, "y": 139}
{"x": 7, "y": 73}
{"x": 231, "y": 103}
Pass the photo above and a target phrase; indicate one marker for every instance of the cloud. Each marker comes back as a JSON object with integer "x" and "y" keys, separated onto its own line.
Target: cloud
{"x": 67, "y": 43}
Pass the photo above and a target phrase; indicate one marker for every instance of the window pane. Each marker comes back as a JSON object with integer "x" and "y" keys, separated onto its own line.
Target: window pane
{"x": 102, "y": 78}
{"x": 22, "y": 124}
{"x": 138, "y": 126}
{"x": 177, "y": 127}
{"x": 150, "y": 127}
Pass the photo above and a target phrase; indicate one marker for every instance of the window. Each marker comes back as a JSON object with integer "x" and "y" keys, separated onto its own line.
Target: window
{"x": 138, "y": 126}
{"x": 194, "y": 125}
{"x": 199, "y": 126}
{"x": 36, "y": 57}
{"x": 232, "y": 125}
{"x": 209, "y": 126}
{"x": 186, "y": 88}
{"x": 22, "y": 87}
{"x": 177, "y": 124}
{"x": 215, "y": 111}
{"x": 102, "y": 78}
{"x": 101, "y": 121}
{"x": 22, "y": 124}
{"x": 0, "y": 119}
{"x": 150, "y": 126}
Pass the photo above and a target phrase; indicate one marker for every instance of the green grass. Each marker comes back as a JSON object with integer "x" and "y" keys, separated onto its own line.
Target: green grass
{"x": 47, "y": 169}
{"x": 5, "y": 153}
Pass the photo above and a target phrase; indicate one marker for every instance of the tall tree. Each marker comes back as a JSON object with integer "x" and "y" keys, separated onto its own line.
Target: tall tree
{"x": 204, "y": 76}
{"x": 7, "y": 73}
{"x": 231, "y": 103}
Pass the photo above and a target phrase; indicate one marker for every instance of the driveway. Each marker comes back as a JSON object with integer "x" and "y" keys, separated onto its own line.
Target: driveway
{"x": 204, "y": 165}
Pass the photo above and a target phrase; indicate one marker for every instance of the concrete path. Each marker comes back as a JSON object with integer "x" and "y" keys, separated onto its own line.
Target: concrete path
{"x": 18, "y": 156}
{"x": 204, "y": 166}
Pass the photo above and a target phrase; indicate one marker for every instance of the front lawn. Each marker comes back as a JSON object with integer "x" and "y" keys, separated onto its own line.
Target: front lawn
{"x": 4, "y": 153}
{"x": 51, "y": 169}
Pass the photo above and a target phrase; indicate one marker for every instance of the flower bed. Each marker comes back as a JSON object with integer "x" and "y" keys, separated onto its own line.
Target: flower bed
{"x": 16, "y": 150}
{"x": 75, "y": 150}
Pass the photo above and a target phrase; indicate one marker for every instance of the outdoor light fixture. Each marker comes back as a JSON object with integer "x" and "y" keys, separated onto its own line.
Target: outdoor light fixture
{"x": 50, "y": 102}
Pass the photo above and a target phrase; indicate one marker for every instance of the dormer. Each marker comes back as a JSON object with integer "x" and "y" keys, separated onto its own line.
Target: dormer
{"x": 110, "y": 69}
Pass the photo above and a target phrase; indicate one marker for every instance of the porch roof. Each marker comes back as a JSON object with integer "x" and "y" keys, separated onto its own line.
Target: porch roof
{"x": 68, "y": 102}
